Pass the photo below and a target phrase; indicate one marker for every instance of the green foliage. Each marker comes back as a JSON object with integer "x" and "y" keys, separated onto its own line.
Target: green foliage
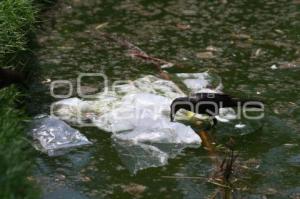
{"x": 14, "y": 150}
{"x": 16, "y": 20}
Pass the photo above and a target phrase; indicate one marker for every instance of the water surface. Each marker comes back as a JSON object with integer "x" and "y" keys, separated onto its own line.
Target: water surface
{"x": 248, "y": 38}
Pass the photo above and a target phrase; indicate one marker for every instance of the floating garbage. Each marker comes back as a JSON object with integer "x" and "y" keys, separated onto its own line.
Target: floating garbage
{"x": 152, "y": 142}
{"x": 274, "y": 67}
{"x": 137, "y": 113}
{"x": 201, "y": 82}
{"x": 54, "y": 137}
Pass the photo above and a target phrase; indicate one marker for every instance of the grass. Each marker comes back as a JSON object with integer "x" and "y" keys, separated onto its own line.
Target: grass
{"x": 17, "y": 19}
{"x": 15, "y": 166}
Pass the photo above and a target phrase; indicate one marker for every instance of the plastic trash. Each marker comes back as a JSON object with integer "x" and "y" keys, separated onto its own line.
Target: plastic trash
{"x": 201, "y": 82}
{"x": 54, "y": 137}
{"x": 137, "y": 113}
{"x": 140, "y": 156}
{"x": 116, "y": 110}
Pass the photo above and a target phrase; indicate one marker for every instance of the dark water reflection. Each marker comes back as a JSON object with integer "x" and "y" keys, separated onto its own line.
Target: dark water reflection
{"x": 249, "y": 37}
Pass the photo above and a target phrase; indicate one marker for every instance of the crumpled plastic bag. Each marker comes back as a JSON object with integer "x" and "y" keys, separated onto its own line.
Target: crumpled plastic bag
{"x": 54, "y": 137}
{"x": 117, "y": 109}
{"x": 138, "y": 115}
{"x": 138, "y": 156}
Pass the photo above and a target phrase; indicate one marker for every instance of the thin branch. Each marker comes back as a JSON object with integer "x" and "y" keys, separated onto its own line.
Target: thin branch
{"x": 186, "y": 177}
{"x": 136, "y": 52}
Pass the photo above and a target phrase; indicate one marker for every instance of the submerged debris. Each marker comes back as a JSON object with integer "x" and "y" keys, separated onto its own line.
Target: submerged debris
{"x": 183, "y": 26}
{"x": 286, "y": 65}
{"x": 213, "y": 49}
{"x": 256, "y": 53}
{"x": 241, "y": 36}
{"x": 205, "y": 55}
{"x": 136, "y": 52}
{"x": 102, "y": 25}
{"x": 134, "y": 189}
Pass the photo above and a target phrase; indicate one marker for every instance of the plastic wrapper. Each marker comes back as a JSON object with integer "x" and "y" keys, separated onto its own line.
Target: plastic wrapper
{"x": 137, "y": 113}
{"x": 54, "y": 137}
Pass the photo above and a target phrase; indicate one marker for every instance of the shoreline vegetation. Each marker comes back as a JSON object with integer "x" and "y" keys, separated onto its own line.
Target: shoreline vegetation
{"x": 17, "y": 22}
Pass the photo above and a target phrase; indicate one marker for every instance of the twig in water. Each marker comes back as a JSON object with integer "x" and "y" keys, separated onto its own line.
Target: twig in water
{"x": 186, "y": 177}
{"x": 219, "y": 184}
{"x": 135, "y": 52}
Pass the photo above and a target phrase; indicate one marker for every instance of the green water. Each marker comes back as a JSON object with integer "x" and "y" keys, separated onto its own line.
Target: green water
{"x": 251, "y": 36}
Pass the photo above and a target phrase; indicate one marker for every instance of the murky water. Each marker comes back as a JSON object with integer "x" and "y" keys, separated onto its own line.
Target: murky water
{"x": 247, "y": 37}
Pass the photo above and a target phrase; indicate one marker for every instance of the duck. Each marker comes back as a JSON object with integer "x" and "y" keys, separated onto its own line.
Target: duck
{"x": 9, "y": 77}
{"x": 208, "y": 103}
